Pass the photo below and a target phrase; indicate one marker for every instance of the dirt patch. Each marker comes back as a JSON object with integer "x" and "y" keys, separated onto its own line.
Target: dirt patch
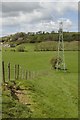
{"x": 23, "y": 97}
{"x": 18, "y": 93}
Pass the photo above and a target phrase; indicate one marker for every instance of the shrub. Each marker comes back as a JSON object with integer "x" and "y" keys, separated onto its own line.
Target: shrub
{"x": 54, "y": 62}
{"x": 46, "y": 46}
{"x": 20, "y": 48}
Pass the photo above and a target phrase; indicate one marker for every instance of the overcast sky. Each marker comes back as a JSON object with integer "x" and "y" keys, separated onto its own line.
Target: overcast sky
{"x": 37, "y": 16}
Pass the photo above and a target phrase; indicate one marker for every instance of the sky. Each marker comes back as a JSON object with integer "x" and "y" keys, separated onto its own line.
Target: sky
{"x": 37, "y": 15}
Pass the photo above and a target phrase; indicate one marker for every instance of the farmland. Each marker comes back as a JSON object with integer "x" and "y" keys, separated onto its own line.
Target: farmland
{"x": 50, "y": 94}
{"x": 39, "y": 58}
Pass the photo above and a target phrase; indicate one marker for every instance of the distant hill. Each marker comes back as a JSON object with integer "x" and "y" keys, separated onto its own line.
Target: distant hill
{"x": 38, "y": 37}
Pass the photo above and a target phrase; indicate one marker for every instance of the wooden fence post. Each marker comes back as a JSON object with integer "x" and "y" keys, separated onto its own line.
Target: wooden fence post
{"x": 15, "y": 72}
{"x": 9, "y": 71}
{"x": 3, "y": 72}
{"x": 21, "y": 74}
{"x": 18, "y": 72}
{"x": 26, "y": 74}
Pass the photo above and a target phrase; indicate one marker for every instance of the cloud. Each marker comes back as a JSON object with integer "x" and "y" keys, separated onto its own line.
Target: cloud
{"x": 34, "y": 16}
{"x": 34, "y": 11}
{"x": 19, "y": 6}
{"x": 47, "y": 26}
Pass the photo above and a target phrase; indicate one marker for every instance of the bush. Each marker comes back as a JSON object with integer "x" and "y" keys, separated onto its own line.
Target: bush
{"x": 53, "y": 46}
{"x": 46, "y": 46}
{"x": 54, "y": 62}
{"x": 20, "y": 48}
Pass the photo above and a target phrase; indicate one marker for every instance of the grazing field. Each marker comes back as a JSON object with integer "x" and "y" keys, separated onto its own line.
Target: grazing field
{"x": 51, "y": 94}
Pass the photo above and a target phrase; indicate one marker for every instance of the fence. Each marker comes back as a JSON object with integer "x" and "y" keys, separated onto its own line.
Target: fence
{"x": 16, "y": 72}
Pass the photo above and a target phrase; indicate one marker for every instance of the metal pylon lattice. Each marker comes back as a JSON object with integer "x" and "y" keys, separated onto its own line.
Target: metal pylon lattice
{"x": 61, "y": 59}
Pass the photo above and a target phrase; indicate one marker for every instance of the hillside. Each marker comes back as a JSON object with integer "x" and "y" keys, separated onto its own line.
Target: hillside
{"x": 38, "y": 37}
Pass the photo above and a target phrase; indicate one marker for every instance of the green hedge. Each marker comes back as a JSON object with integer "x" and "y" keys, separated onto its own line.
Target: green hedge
{"x": 53, "y": 46}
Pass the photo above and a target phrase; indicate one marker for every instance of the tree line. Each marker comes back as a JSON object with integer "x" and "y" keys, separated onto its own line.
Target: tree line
{"x": 38, "y": 37}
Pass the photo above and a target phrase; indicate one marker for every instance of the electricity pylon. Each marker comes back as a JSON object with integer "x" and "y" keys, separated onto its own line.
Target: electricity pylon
{"x": 60, "y": 64}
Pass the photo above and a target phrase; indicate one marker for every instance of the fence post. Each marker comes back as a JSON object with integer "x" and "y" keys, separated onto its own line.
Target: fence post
{"x": 26, "y": 74}
{"x": 21, "y": 74}
{"x": 9, "y": 71}
{"x": 15, "y": 72}
{"x": 3, "y": 72}
{"x": 18, "y": 72}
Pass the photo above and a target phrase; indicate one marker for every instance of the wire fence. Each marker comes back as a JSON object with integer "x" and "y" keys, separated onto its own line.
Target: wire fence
{"x": 16, "y": 72}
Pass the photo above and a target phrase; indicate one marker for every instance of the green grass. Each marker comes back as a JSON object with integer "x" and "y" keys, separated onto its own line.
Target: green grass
{"x": 54, "y": 93}
{"x": 0, "y": 81}
{"x": 56, "y": 97}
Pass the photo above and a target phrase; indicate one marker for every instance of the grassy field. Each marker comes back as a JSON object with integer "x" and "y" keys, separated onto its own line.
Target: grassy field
{"x": 51, "y": 94}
